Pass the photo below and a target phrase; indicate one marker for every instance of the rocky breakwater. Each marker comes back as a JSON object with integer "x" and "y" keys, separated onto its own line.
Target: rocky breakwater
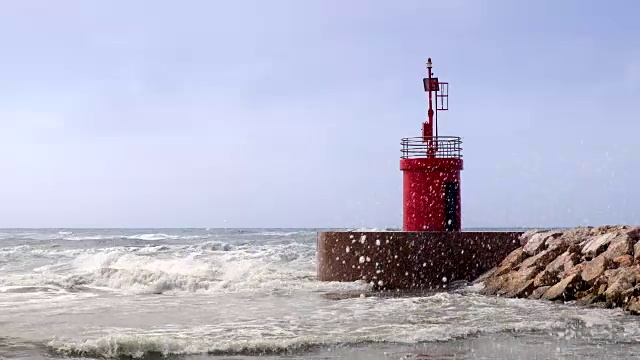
{"x": 595, "y": 266}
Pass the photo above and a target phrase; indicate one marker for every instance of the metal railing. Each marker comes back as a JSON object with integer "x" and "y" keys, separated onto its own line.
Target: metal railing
{"x": 435, "y": 146}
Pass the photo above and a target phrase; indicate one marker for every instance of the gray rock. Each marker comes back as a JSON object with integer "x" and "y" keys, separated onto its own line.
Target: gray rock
{"x": 633, "y": 306}
{"x": 577, "y": 269}
{"x": 536, "y": 242}
{"x": 556, "y": 242}
{"x": 636, "y": 251}
{"x": 564, "y": 262}
{"x": 599, "y": 230}
{"x": 595, "y": 268}
{"x": 598, "y": 244}
{"x": 565, "y": 289}
{"x": 612, "y": 274}
{"x": 537, "y": 293}
{"x": 521, "y": 290}
{"x": 633, "y": 232}
{"x": 517, "y": 280}
{"x": 578, "y": 234}
{"x": 619, "y": 246}
{"x": 602, "y": 288}
{"x": 493, "y": 284}
{"x": 527, "y": 235}
{"x": 587, "y": 299}
{"x": 543, "y": 258}
{"x": 545, "y": 278}
{"x": 619, "y": 282}
{"x": 626, "y": 295}
{"x": 511, "y": 261}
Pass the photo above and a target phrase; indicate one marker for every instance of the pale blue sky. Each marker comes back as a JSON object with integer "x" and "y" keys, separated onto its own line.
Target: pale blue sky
{"x": 290, "y": 113}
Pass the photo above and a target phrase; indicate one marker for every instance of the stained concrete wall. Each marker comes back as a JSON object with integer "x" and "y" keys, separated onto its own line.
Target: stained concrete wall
{"x": 411, "y": 260}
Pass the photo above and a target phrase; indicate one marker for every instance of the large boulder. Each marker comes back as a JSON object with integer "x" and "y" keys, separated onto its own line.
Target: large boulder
{"x": 636, "y": 252}
{"x": 538, "y": 292}
{"x": 619, "y": 246}
{"x": 603, "y": 229}
{"x": 521, "y": 289}
{"x": 517, "y": 283}
{"x": 634, "y": 235}
{"x": 595, "y": 268}
{"x": 546, "y": 278}
{"x": 493, "y": 284}
{"x": 565, "y": 261}
{"x": 633, "y": 232}
{"x": 575, "y": 270}
{"x": 527, "y": 235}
{"x": 597, "y": 245}
{"x": 633, "y": 306}
{"x": 587, "y": 297}
{"x": 619, "y": 282}
{"x": 628, "y": 294}
{"x": 565, "y": 289}
{"x": 537, "y": 242}
{"x": 578, "y": 234}
{"x": 543, "y": 258}
{"x": 510, "y": 262}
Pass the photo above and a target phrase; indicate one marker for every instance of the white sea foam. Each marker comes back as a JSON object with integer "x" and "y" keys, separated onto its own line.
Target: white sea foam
{"x": 278, "y": 233}
{"x": 145, "y": 237}
{"x": 208, "y": 267}
{"x": 346, "y": 322}
{"x": 78, "y": 236}
{"x": 239, "y": 292}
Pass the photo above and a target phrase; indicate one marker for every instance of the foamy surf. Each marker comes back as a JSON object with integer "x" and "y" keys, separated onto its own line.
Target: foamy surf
{"x": 166, "y": 235}
{"x": 210, "y": 266}
{"x": 360, "y": 324}
{"x": 242, "y": 292}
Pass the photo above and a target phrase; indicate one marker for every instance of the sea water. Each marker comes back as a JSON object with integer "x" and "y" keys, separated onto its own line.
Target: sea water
{"x": 244, "y": 293}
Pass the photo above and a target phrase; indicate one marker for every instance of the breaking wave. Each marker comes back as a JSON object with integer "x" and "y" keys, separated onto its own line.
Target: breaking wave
{"x": 145, "y": 237}
{"x": 239, "y": 293}
{"x": 141, "y": 347}
{"x": 268, "y": 339}
{"x": 204, "y": 267}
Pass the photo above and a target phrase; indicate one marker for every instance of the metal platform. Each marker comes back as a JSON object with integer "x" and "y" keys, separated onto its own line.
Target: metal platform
{"x": 444, "y": 147}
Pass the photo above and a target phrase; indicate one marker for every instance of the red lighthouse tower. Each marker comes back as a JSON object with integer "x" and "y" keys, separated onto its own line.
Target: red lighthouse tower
{"x": 431, "y": 250}
{"x": 431, "y": 166}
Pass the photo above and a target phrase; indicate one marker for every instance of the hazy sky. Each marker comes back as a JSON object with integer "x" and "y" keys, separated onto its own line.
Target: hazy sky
{"x": 290, "y": 113}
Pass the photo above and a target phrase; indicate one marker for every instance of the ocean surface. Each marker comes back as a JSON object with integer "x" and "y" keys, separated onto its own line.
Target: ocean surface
{"x": 247, "y": 293}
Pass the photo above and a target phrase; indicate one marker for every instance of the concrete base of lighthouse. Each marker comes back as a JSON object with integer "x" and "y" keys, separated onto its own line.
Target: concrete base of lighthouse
{"x": 401, "y": 260}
